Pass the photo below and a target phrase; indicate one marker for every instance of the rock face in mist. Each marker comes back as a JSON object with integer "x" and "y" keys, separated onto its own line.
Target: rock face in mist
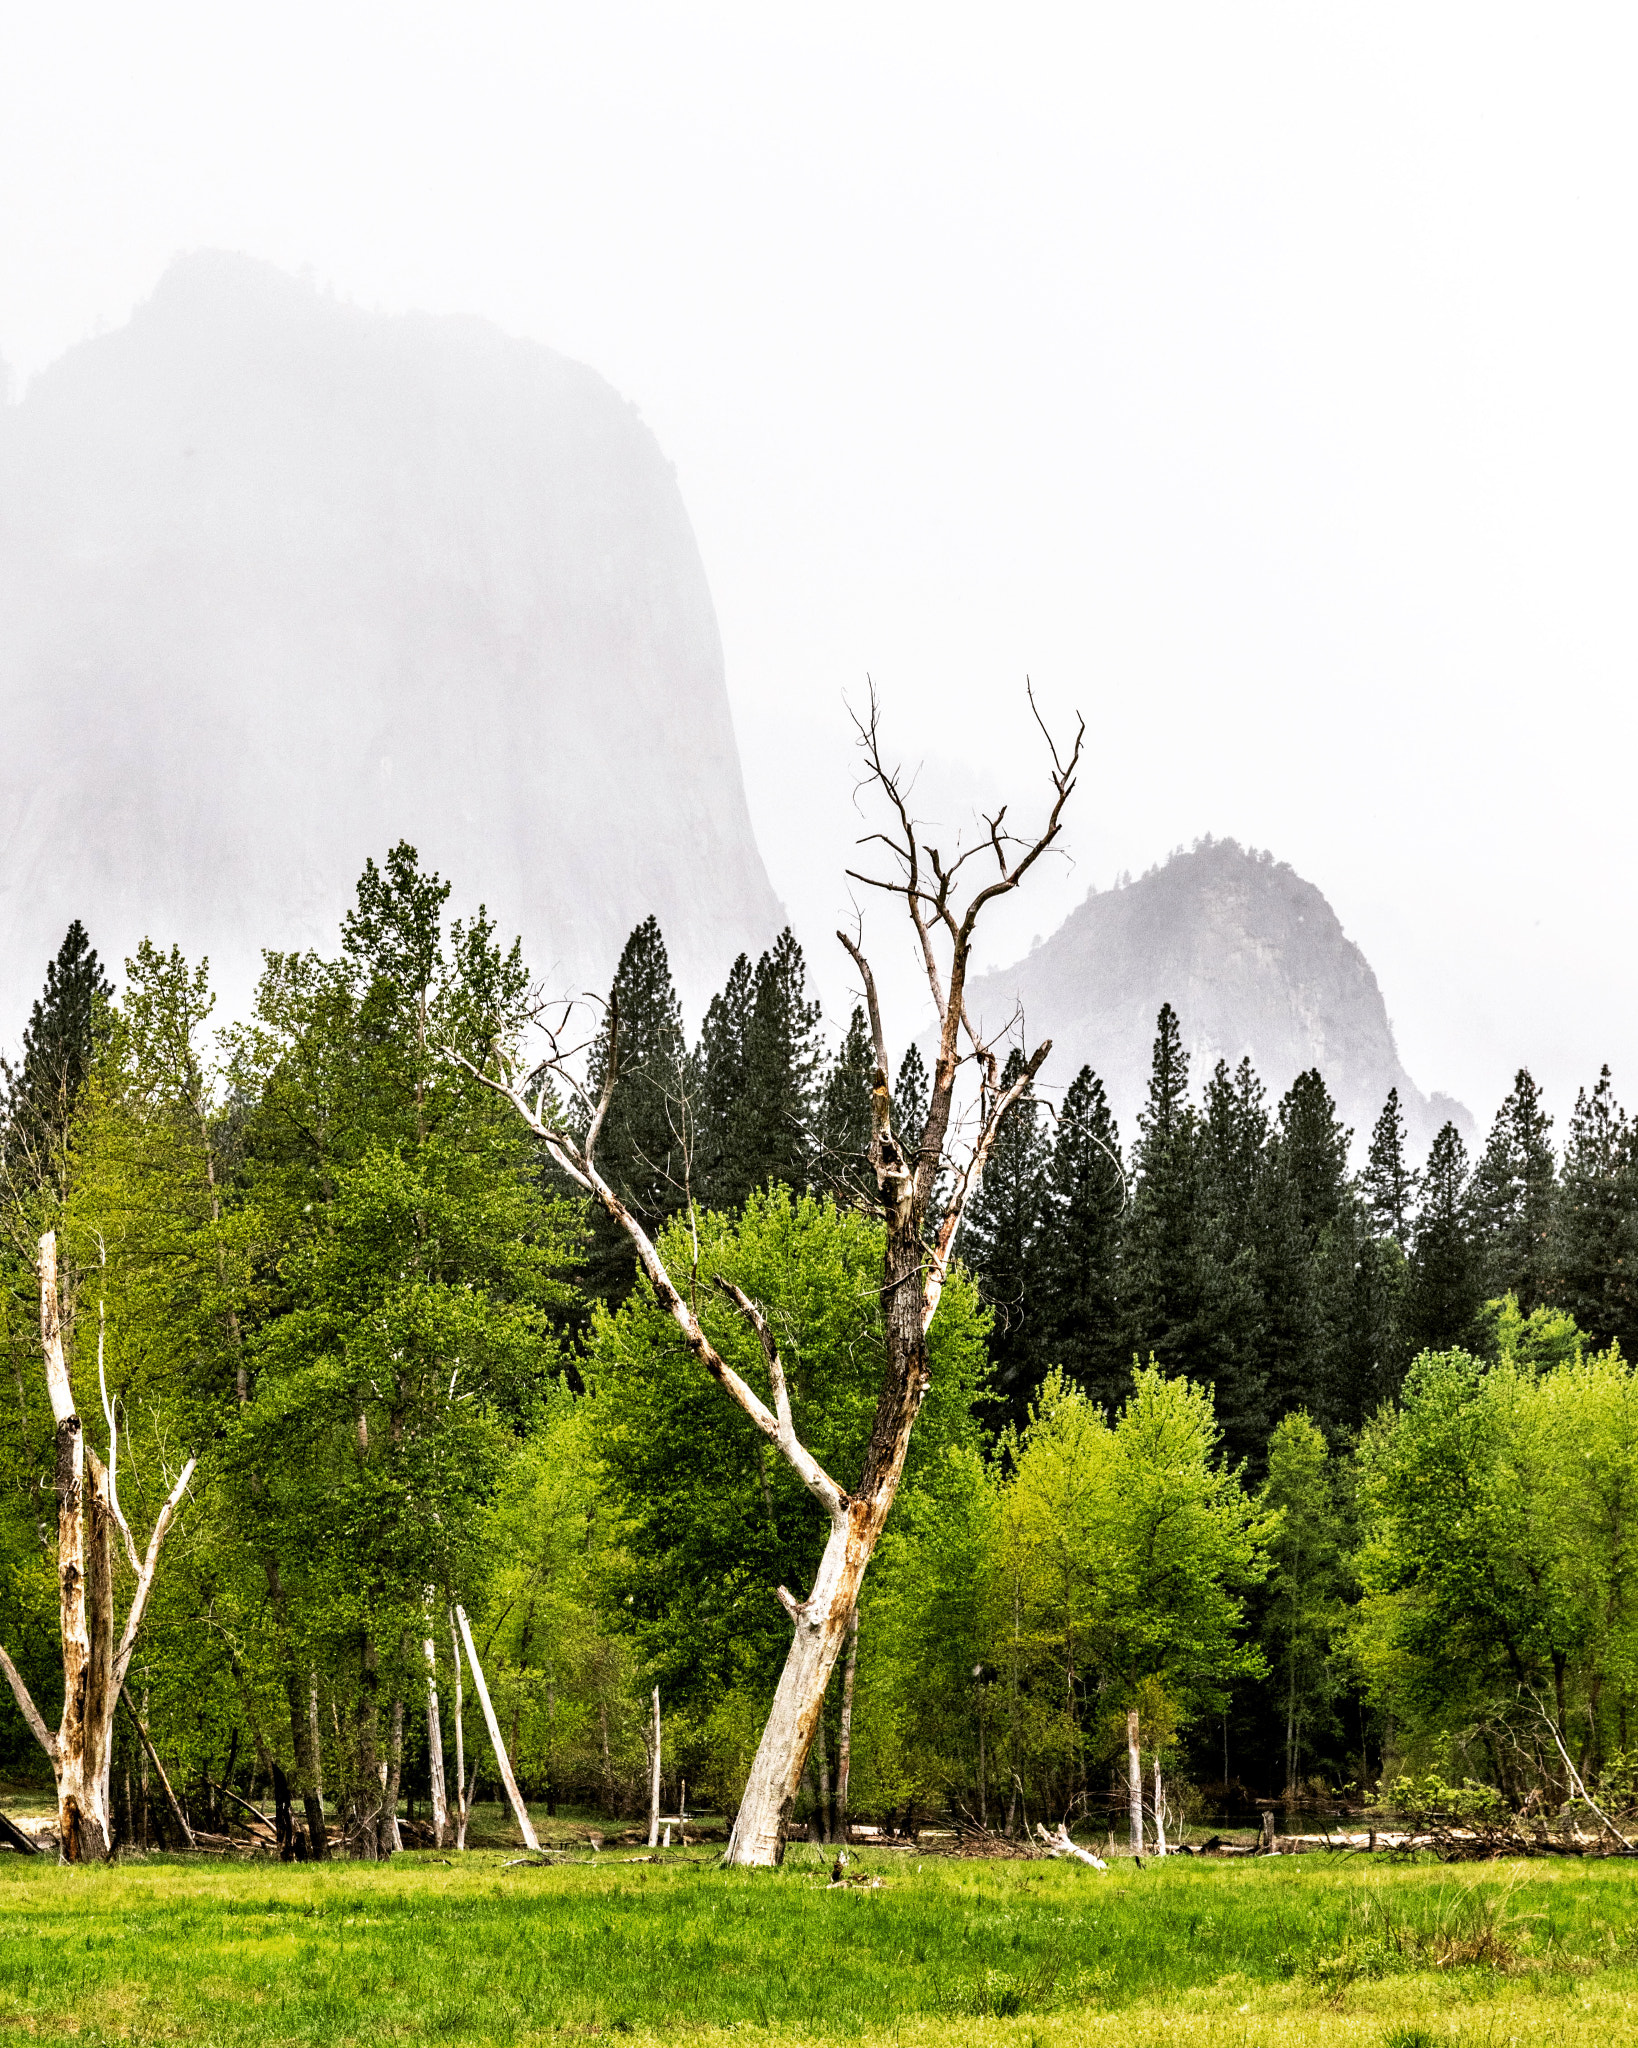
{"x": 282, "y": 582}
{"x": 1254, "y": 962}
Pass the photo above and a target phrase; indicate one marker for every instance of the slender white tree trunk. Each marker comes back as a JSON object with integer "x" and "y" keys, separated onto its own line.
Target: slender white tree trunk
{"x": 435, "y": 1750}
{"x": 844, "y": 1733}
{"x": 654, "y": 1777}
{"x": 1134, "y": 1781}
{"x": 462, "y": 1797}
{"x": 520, "y": 1813}
{"x": 1160, "y": 1813}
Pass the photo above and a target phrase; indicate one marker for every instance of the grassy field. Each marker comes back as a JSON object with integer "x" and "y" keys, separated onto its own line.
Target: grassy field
{"x": 1292, "y": 1950}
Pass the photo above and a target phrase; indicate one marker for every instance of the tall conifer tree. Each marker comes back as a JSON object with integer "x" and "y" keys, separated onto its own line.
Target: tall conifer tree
{"x": 42, "y": 1089}
{"x": 1594, "y": 1245}
{"x": 844, "y": 1111}
{"x": 1005, "y": 1222}
{"x": 716, "y": 1091}
{"x": 1079, "y": 1271}
{"x": 1513, "y": 1188}
{"x": 1232, "y": 1333}
{"x": 1161, "y": 1256}
{"x": 645, "y": 1137}
{"x": 1446, "y": 1284}
{"x": 1389, "y": 1183}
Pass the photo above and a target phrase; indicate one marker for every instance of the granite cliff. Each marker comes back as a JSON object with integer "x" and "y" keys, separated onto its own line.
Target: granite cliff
{"x": 1254, "y": 961}
{"x": 282, "y": 581}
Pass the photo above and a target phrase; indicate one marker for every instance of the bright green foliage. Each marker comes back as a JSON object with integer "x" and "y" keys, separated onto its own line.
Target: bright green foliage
{"x": 561, "y": 1671}
{"x": 1305, "y": 1608}
{"x": 1499, "y": 1598}
{"x": 1098, "y": 1565}
{"x": 715, "y": 1518}
{"x": 1303, "y": 1952}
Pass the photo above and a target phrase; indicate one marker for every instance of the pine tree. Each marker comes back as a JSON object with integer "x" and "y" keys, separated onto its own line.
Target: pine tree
{"x": 1360, "y": 1284}
{"x": 911, "y": 1093}
{"x": 1002, "y": 1244}
{"x": 642, "y": 1149}
{"x": 1313, "y": 1148}
{"x": 1445, "y": 1290}
{"x": 844, "y": 1112}
{"x": 1594, "y": 1242}
{"x": 43, "y": 1088}
{"x": 1079, "y": 1270}
{"x": 755, "y": 1078}
{"x": 716, "y": 1089}
{"x": 1231, "y": 1332}
{"x": 1160, "y": 1259}
{"x": 782, "y": 1061}
{"x": 1513, "y": 1188}
{"x": 1389, "y": 1183}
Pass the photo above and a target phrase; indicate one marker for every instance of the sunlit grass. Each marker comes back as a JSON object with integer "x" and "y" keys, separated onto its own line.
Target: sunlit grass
{"x": 1294, "y": 1950}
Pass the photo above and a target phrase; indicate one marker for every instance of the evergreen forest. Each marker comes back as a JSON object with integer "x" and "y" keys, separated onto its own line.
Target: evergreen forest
{"x": 1321, "y": 1457}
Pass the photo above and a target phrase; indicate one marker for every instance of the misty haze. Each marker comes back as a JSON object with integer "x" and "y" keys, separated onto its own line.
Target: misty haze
{"x": 815, "y": 1215}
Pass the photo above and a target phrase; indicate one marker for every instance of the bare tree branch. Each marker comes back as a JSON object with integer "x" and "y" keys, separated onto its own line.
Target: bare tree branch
{"x": 29, "y": 1711}
{"x": 583, "y": 1170}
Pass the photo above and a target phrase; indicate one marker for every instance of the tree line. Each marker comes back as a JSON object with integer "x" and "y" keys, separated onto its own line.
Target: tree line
{"x": 1324, "y": 1472}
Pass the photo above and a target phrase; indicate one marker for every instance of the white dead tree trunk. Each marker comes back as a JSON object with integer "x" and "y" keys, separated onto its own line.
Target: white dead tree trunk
{"x": 503, "y": 1763}
{"x": 654, "y": 1777}
{"x": 1134, "y": 1781}
{"x": 944, "y": 911}
{"x": 435, "y": 1750}
{"x": 96, "y": 1654}
{"x": 463, "y": 1791}
{"x": 1160, "y": 1812}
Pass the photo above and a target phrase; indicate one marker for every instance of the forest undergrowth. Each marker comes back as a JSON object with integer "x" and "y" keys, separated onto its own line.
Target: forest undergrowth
{"x": 1289, "y": 1951}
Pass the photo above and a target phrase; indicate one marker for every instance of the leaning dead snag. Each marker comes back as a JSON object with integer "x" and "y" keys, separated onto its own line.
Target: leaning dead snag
{"x": 944, "y": 900}
{"x": 96, "y": 1655}
{"x": 520, "y": 1813}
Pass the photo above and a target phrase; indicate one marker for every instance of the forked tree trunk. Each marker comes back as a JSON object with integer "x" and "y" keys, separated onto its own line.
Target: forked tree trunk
{"x": 95, "y": 1654}
{"x": 908, "y": 1167}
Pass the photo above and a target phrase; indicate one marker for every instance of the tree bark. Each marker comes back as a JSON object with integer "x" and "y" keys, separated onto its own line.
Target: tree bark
{"x": 844, "y": 1734}
{"x": 1160, "y": 1813}
{"x": 93, "y": 1662}
{"x": 654, "y": 1777}
{"x": 1134, "y": 1781}
{"x": 907, "y": 1170}
{"x": 462, "y": 1796}
{"x": 520, "y": 1813}
{"x": 394, "y": 1773}
{"x": 152, "y": 1754}
{"x": 435, "y": 1750}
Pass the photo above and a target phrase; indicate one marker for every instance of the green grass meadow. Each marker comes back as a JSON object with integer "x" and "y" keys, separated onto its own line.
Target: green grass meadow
{"x": 1288, "y": 1950}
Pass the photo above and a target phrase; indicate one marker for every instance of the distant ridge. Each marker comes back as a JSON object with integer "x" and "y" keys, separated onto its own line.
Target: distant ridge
{"x": 283, "y": 581}
{"x": 1255, "y": 963}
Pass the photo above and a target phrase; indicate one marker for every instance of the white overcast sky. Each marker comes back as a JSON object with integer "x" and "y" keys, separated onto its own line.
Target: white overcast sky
{"x": 1259, "y": 379}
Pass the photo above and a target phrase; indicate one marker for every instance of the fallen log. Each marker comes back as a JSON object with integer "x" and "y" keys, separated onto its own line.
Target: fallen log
{"x": 1059, "y": 1844}
{"x": 14, "y": 1838}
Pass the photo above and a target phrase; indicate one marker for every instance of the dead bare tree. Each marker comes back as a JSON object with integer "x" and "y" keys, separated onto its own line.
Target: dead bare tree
{"x": 944, "y": 900}
{"x": 96, "y": 1654}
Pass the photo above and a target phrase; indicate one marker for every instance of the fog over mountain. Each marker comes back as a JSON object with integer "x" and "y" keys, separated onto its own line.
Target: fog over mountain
{"x": 282, "y": 581}
{"x": 1255, "y": 963}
